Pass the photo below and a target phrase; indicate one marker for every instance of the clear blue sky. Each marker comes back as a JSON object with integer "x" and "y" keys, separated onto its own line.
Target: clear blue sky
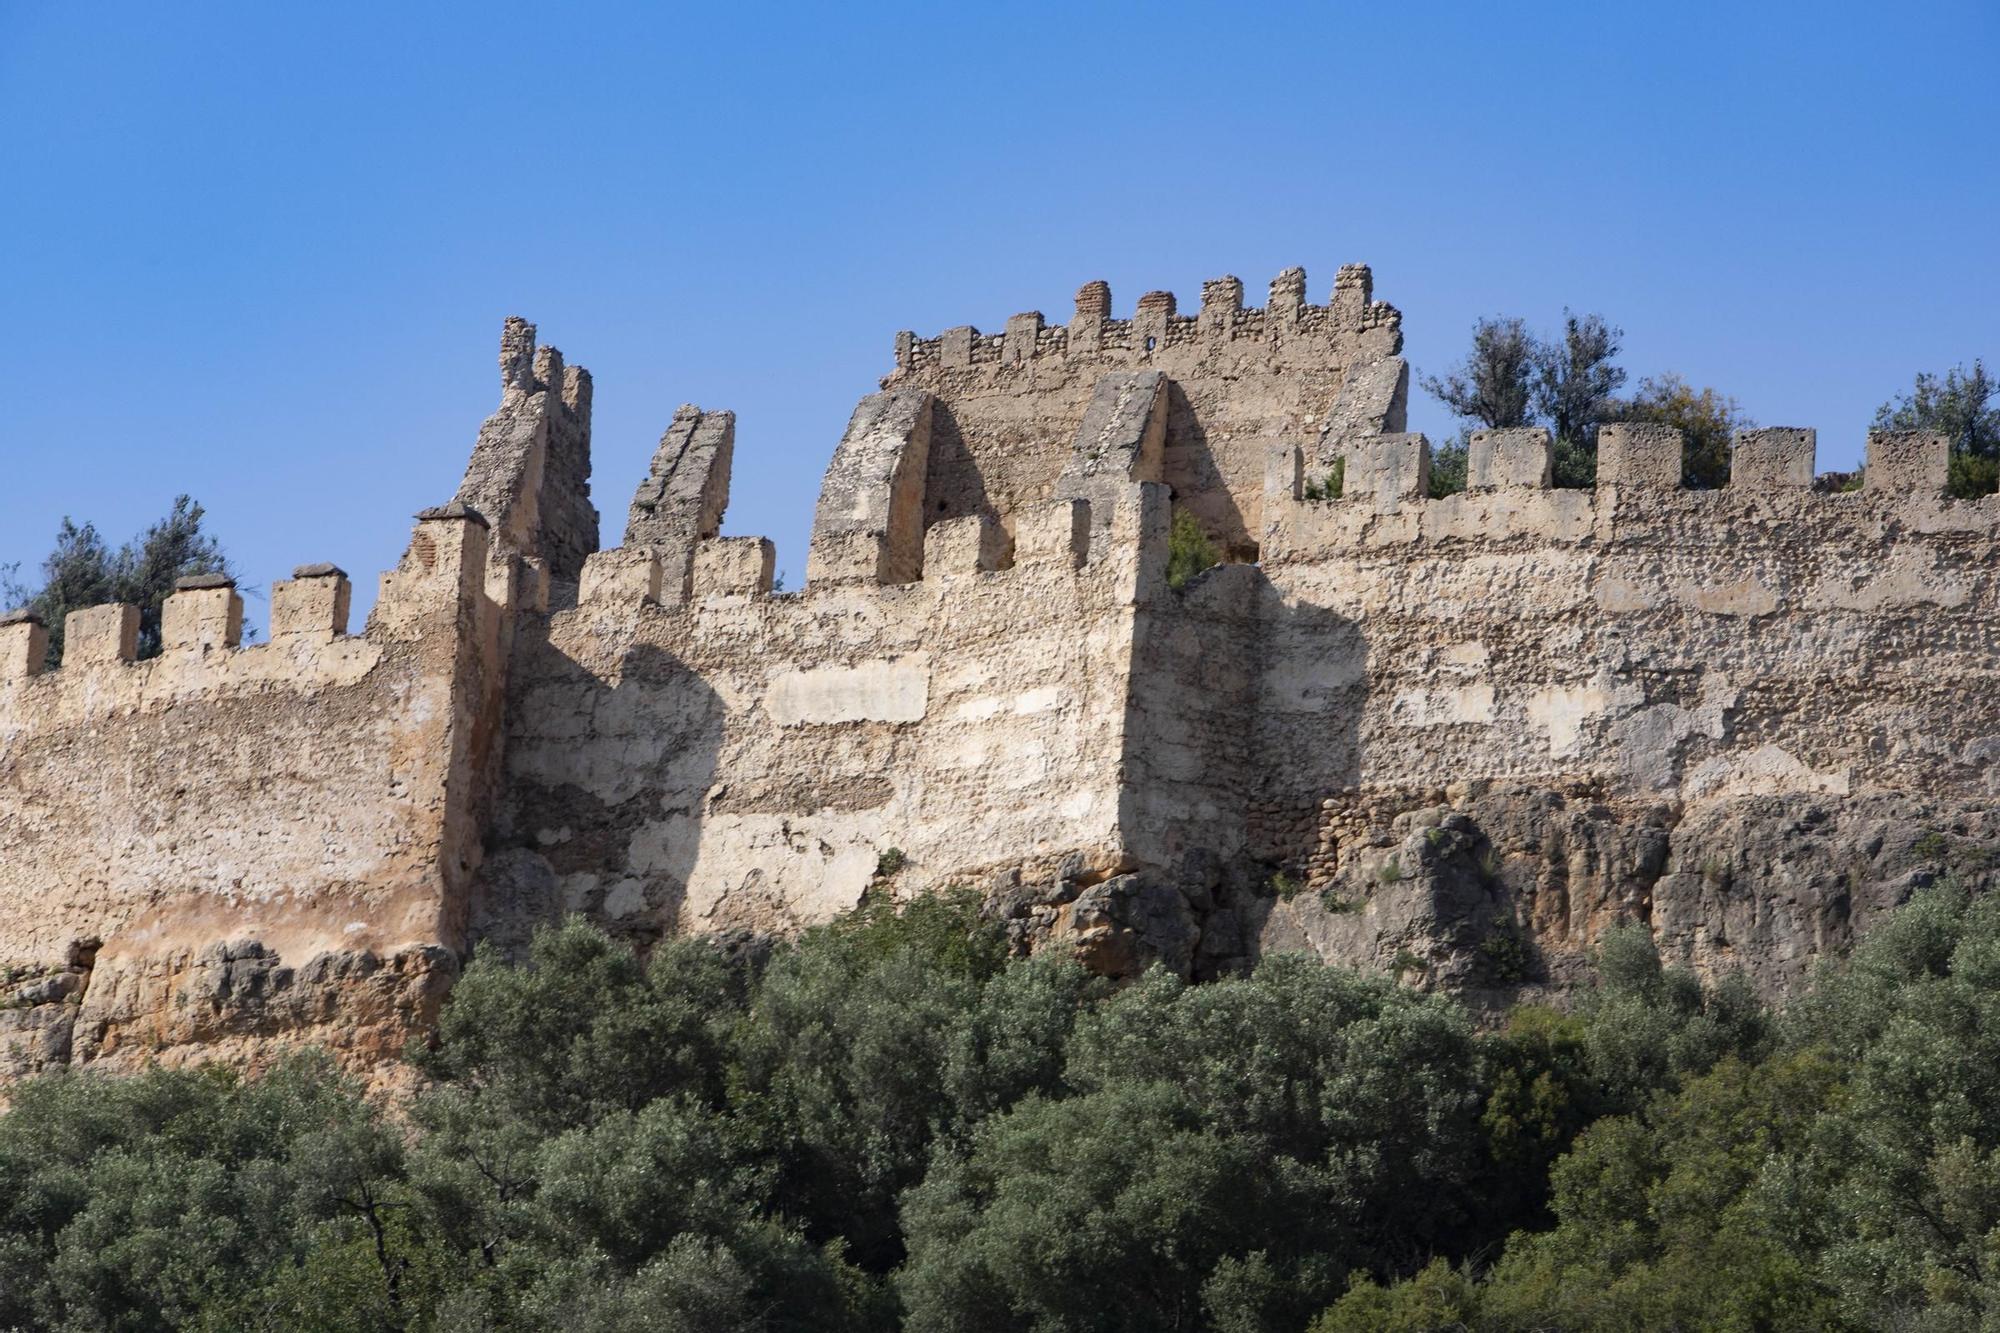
{"x": 261, "y": 252}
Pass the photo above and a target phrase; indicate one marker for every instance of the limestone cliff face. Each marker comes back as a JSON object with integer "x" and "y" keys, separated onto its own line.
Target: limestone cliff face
{"x": 1453, "y": 739}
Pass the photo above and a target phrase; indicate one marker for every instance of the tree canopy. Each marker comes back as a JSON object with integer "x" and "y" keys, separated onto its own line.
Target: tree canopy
{"x": 1964, "y": 406}
{"x": 1570, "y": 383}
{"x": 82, "y": 571}
{"x": 890, "y": 1123}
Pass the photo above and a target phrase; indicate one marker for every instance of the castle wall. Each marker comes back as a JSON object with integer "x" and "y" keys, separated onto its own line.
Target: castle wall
{"x": 735, "y": 760}
{"x": 1653, "y": 654}
{"x": 1010, "y": 404}
{"x": 1454, "y": 739}
{"x": 228, "y": 844}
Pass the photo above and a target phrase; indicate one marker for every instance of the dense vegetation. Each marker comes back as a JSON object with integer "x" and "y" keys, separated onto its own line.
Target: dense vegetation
{"x": 890, "y": 1124}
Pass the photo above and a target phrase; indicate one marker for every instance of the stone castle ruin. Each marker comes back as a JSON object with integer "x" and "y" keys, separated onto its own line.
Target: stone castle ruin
{"x": 1454, "y": 739}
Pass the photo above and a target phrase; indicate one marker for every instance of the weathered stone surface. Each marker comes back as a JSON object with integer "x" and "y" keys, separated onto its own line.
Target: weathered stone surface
{"x": 1240, "y": 379}
{"x": 1451, "y": 739}
{"x": 281, "y": 837}
{"x": 682, "y": 499}
{"x": 529, "y": 474}
{"x": 1497, "y": 890}
{"x": 1522, "y": 459}
{"x": 1119, "y": 441}
{"x": 1772, "y": 458}
{"x": 869, "y": 525}
{"x": 1639, "y": 454}
{"x": 1914, "y": 462}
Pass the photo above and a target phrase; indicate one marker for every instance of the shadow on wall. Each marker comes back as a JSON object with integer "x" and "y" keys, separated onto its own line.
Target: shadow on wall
{"x": 1188, "y": 466}
{"x": 1244, "y": 710}
{"x": 954, "y": 487}
{"x": 601, "y": 807}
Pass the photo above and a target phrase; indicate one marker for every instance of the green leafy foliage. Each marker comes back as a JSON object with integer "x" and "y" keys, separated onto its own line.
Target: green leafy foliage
{"x": 82, "y": 572}
{"x": 1706, "y": 419}
{"x": 1964, "y": 406}
{"x": 1495, "y": 384}
{"x": 1330, "y": 486}
{"x": 890, "y": 1123}
{"x": 1189, "y": 550}
{"x": 1448, "y": 466}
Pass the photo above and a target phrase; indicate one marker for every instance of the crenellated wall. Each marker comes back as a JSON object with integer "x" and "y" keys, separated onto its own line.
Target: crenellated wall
{"x": 230, "y": 848}
{"x": 730, "y": 759}
{"x": 1009, "y": 405}
{"x": 1662, "y": 657}
{"x": 1454, "y": 739}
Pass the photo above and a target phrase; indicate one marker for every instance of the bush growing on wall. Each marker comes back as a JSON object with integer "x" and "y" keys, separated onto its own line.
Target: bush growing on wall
{"x": 1188, "y": 550}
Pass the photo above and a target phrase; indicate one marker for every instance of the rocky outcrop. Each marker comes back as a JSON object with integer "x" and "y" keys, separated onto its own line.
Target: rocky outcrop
{"x": 1507, "y": 891}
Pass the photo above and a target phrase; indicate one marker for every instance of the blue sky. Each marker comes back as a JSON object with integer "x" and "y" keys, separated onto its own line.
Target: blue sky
{"x": 261, "y": 252}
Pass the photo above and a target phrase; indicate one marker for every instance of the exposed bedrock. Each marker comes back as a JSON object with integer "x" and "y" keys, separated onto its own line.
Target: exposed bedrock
{"x": 1502, "y": 895}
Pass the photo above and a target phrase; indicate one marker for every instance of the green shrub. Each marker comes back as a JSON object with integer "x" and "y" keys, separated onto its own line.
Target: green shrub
{"x": 890, "y": 863}
{"x": 1504, "y": 954}
{"x": 1189, "y": 551}
{"x": 1329, "y": 487}
{"x": 890, "y": 1123}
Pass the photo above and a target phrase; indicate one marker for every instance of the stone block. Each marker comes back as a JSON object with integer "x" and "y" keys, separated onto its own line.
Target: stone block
{"x": 1093, "y": 307}
{"x": 446, "y": 555}
{"x": 967, "y": 545}
{"x": 1221, "y": 302}
{"x": 1149, "y": 322}
{"x": 1284, "y": 470}
{"x": 1142, "y": 522}
{"x": 868, "y": 525}
{"x": 1522, "y": 458}
{"x": 955, "y": 345}
{"x": 1057, "y": 533}
{"x": 24, "y": 645}
{"x": 98, "y": 635}
{"x": 204, "y": 615}
{"x": 622, "y": 574}
{"x": 1388, "y": 467}
{"x": 1017, "y": 344}
{"x": 734, "y": 567}
{"x": 1353, "y": 289}
{"x": 1775, "y": 458}
{"x": 1909, "y": 461}
{"x": 686, "y": 489}
{"x": 1374, "y": 399}
{"x": 1640, "y": 454}
{"x": 1288, "y": 296}
{"x": 312, "y": 604}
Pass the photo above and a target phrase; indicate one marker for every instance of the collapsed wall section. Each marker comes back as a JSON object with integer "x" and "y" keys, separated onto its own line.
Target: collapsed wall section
{"x": 529, "y": 472}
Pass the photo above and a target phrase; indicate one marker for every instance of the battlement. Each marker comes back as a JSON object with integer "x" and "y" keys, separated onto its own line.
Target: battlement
{"x": 1772, "y": 496}
{"x": 1156, "y": 325}
{"x": 988, "y": 670}
{"x": 201, "y": 630}
{"x": 1638, "y": 456}
{"x": 1123, "y": 553}
{"x": 529, "y": 472}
